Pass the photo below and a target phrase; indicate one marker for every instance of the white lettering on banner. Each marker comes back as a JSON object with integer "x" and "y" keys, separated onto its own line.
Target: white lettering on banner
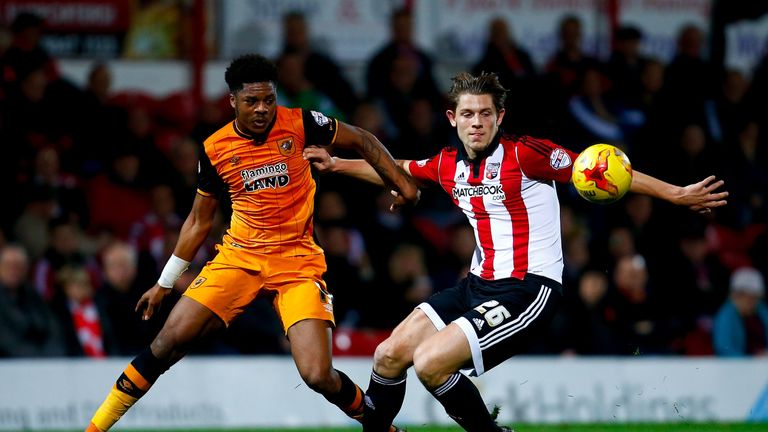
{"x": 626, "y": 404}
{"x": 204, "y": 392}
{"x": 349, "y": 31}
{"x": 700, "y": 7}
{"x": 68, "y": 14}
{"x": 459, "y": 33}
{"x": 746, "y": 41}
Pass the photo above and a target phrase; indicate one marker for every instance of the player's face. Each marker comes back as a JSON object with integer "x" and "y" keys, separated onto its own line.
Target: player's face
{"x": 255, "y": 106}
{"x": 476, "y": 121}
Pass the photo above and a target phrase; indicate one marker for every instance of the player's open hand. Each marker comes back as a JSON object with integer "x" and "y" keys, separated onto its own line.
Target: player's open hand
{"x": 320, "y": 159}
{"x": 701, "y": 197}
{"x": 151, "y": 300}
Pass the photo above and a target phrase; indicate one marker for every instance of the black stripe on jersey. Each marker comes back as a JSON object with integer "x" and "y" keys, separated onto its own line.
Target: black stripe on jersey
{"x": 536, "y": 146}
{"x": 319, "y": 129}
{"x": 208, "y": 180}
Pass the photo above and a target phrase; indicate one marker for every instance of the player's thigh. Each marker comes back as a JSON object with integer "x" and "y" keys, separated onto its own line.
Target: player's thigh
{"x": 225, "y": 289}
{"x": 443, "y": 353}
{"x": 310, "y": 341}
{"x": 506, "y": 324}
{"x": 300, "y": 292}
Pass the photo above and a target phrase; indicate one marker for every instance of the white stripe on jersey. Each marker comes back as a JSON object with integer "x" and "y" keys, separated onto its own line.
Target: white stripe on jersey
{"x": 501, "y": 220}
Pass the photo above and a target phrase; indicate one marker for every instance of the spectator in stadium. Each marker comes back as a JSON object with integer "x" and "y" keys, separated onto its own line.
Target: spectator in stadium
{"x": 513, "y": 65}
{"x": 726, "y": 111}
{"x": 625, "y": 66}
{"x": 268, "y": 248}
{"x": 320, "y": 69}
{"x": 66, "y": 248}
{"x": 379, "y": 74}
{"x": 690, "y": 79}
{"x": 28, "y": 328}
{"x": 294, "y": 90}
{"x": 121, "y": 194}
{"x": 566, "y": 67}
{"x": 66, "y": 188}
{"x": 641, "y": 324}
{"x": 120, "y": 291}
{"x": 586, "y": 326}
{"x": 512, "y": 292}
{"x": 741, "y": 324}
{"x": 83, "y": 318}
{"x": 421, "y": 135}
{"x": 26, "y": 52}
{"x": 31, "y": 226}
{"x": 99, "y": 118}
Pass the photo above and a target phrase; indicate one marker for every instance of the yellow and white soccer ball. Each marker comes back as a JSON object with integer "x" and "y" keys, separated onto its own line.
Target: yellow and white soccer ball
{"x": 602, "y": 173}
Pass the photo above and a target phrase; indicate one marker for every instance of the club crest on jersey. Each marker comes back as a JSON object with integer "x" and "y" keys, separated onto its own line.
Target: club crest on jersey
{"x": 266, "y": 176}
{"x": 492, "y": 170}
{"x": 286, "y": 147}
{"x": 234, "y": 160}
{"x": 320, "y": 118}
{"x": 559, "y": 159}
{"x": 199, "y": 281}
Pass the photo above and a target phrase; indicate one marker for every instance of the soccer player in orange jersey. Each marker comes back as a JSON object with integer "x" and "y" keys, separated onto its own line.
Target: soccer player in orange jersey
{"x": 257, "y": 160}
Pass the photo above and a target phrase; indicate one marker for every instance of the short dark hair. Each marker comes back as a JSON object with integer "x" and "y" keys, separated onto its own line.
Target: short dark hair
{"x": 485, "y": 83}
{"x": 249, "y": 68}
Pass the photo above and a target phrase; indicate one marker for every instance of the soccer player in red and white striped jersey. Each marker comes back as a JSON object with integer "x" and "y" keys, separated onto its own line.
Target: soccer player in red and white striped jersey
{"x": 505, "y": 185}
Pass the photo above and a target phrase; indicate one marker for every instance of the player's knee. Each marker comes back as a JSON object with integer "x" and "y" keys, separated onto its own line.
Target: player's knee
{"x": 391, "y": 356}
{"x": 168, "y": 344}
{"x": 319, "y": 379}
{"x": 427, "y": 368}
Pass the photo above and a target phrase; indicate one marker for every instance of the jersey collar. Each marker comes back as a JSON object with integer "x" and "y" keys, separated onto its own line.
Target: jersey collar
{"x": 258, "y": 138}
{"x": 462, "y": 156}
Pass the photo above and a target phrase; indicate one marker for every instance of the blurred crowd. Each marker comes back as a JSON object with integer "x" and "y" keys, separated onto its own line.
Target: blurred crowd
{"x": 100, "y": 182}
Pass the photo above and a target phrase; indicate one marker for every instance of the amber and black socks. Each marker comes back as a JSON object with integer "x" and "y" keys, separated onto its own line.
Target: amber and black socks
{"x": 133, "y": 383}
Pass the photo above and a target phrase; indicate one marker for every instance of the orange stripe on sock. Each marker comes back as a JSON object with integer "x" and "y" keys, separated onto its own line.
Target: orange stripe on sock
{"x": 357, "y": 403}
{"x": 136, "y": 378}
{"x": 92, "y": 428}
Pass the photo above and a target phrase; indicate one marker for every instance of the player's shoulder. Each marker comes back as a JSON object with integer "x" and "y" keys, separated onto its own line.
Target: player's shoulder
{"x": 542, "y": 146}
{"x": 225, "y": 132}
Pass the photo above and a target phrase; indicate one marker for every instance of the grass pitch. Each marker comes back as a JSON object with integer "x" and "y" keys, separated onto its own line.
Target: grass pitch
{"x": 622, "y": 427}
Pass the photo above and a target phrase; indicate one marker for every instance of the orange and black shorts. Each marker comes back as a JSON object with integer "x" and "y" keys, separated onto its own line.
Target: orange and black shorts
{"x": 234, "y": 278}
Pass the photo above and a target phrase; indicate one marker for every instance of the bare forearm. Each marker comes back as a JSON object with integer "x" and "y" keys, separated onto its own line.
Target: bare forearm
{"x": 648, "y": 185}
{"x": 358, "y": 169}
{"x": 379, "y": 159}
{"x": 193, "y": 234}
{"x": 701, "y": 197}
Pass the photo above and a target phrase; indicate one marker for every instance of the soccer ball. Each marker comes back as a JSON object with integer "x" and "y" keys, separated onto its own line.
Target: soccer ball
{"x": 602, "y": 174}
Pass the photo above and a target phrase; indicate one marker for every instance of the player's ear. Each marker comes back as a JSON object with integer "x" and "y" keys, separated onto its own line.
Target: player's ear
{"x": 451, "y": 117}
{"x": 232, "y": 100}
{"x": 500, "y": 117}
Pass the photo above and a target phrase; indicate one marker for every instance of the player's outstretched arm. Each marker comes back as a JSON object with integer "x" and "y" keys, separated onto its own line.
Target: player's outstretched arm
{"x": 193, "y": 233}
{"x": 355, "y": 168}
{"x": 700, "y": 197}
{"x": 379, "y": 159}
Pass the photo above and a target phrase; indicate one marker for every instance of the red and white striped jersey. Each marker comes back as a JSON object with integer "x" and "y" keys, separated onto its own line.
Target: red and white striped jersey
{"x": 510, "y": 200}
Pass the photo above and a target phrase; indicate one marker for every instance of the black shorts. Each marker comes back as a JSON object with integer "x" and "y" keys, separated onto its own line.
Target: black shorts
{"x": 500, "y": 318}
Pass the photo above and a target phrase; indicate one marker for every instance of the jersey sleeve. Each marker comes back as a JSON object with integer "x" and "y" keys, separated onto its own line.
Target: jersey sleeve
{"x": 209, "y": 183}
{"x": 541, "y": 159}
{"x": 426, "y": 170}
{"x": 319, "y": 129}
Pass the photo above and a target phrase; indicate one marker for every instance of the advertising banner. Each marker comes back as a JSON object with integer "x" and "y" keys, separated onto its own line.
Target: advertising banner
{"x": 267, "y": 392}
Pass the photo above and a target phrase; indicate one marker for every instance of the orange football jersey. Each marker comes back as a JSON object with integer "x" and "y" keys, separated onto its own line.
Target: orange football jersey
{"x": 269, "y": 182}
